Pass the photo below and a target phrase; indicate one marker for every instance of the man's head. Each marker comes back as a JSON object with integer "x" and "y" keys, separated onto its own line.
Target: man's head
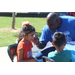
{"x": 53, "y": 21}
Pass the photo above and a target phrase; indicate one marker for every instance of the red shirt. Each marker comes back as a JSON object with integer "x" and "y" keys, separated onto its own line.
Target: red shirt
{"x": 27, "y": 54}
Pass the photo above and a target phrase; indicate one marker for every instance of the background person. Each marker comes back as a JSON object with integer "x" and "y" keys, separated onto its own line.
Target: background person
{"x": 71, "y": 14}
{"x": 63, "y": 13}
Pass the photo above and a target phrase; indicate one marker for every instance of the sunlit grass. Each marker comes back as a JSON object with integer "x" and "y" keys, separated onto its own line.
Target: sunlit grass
{"x": 7, "y": 37}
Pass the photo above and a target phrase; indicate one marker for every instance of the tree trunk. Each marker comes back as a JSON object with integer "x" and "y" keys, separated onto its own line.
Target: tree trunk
{"x": 13, "y": 20}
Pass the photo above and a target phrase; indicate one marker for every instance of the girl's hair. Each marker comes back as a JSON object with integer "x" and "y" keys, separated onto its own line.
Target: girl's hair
{"x": 26, "y": 30}
{"x": 59, "y": 39}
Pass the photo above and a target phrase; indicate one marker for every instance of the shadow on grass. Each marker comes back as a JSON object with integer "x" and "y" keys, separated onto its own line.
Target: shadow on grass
{"x": 38, "y": 34}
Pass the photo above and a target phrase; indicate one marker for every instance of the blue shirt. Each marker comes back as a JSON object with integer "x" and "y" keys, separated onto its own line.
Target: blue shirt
{"x": 67, "y": 27}
{"x": 64, "y": 13}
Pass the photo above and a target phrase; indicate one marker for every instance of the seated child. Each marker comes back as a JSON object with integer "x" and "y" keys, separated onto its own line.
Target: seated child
{"x": 24, "y": 53}
{"x": 60, "y": 55}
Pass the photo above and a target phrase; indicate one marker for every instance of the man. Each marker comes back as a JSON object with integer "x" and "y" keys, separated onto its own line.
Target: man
{"x": 64, "y": 24}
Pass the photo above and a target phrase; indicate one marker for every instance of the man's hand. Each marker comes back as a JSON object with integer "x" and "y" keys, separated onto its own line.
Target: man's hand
{"x": 40, "y": 45}
{"x": 35, "y": 40}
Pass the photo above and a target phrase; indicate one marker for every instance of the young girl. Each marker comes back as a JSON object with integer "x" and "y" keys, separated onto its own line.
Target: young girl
{"x": 24, "y": 53}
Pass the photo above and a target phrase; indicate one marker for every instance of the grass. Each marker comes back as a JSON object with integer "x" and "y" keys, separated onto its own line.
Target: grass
{"x": 8, "y": 37}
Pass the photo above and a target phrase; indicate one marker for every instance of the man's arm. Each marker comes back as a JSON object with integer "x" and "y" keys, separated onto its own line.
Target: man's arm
{"x": 41, "y": 45}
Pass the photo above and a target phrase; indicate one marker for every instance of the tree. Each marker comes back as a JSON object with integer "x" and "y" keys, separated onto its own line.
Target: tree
{"x": 13, "y": 20}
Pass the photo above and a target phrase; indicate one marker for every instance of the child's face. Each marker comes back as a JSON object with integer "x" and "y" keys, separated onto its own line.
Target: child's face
{"x": 30, "y": 36}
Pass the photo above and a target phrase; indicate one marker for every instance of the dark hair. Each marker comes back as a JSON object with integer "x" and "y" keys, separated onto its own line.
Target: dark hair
{"x": 26, "y": 29}
{"x": 59, "y": 39}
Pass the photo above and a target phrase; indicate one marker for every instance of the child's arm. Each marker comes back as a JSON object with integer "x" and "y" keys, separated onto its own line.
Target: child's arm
{"x": 20, "y": 56}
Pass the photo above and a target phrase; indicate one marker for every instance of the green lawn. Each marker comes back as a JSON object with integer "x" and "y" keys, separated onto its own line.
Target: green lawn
{"x": 7, "y": 37}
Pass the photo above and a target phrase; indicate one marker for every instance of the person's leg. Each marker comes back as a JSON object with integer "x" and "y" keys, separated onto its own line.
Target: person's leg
{"x": 44, "y": 52}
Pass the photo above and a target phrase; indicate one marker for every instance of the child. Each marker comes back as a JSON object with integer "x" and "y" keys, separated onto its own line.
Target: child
{"x": 60, "y": 55}
{"x": 24, "y": 53}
